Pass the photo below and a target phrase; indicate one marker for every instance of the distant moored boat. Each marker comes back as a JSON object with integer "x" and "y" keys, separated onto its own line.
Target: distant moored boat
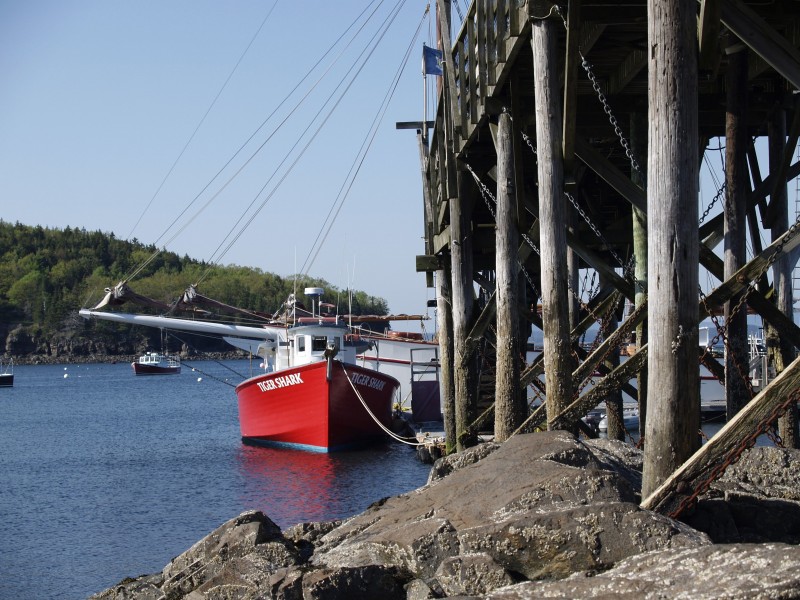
{"x": 7, "y": 374}
{"x": 154, "y": 363}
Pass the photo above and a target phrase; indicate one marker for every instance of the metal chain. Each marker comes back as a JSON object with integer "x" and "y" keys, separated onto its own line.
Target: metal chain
{"x": 489, "y": 198}
{"x": 594, "y": 228}
{"x": 606, "y": 106}
{"x": 714, "y": 200}
{"x": 527, "y": 140}
{"x": 736, "y": 453}
{"x": 722, "y": 331}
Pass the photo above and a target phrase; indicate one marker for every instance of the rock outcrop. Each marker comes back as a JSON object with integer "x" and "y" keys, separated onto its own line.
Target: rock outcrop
{"x": 542, "y": 515}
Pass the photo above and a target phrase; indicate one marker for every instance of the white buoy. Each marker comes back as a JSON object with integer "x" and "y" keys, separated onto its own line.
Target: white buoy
{"x": 199, "y": 379}
{"x": 66, "y": 375}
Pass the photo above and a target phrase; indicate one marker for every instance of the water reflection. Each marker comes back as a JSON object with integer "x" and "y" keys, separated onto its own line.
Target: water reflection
{"x": 294, "y": 486}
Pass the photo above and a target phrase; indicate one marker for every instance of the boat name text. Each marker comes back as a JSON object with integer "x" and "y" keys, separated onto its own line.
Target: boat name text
{"x": 368, "y": 381}
{"x": 280, "y": 382}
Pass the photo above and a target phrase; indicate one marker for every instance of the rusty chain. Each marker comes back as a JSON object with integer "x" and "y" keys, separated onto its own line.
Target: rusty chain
{"x": 735, "y": 454}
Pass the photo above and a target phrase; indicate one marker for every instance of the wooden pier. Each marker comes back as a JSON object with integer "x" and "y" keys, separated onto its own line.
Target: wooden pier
{"x": 567, "y": 141}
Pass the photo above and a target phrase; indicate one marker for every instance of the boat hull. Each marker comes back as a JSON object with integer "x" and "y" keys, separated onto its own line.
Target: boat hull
{"x": 6, "y": 380}
{"x": 140, "y": 369}
{"x": 300, "y": 407}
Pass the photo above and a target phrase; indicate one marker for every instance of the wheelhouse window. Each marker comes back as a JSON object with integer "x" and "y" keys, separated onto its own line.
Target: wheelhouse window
{"x": 301, "y": 343}
{"x": 318, "y": 343}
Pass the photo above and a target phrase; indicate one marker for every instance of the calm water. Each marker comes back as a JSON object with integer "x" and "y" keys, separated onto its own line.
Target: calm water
{"x": 105, "y": 475}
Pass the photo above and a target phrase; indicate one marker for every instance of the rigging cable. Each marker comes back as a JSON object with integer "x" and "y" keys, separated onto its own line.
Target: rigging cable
{"x": 216, "y": 256}
{"x": 363, "y": 151}
{"x": 367, "y": 55}
{"x": 246, "y": 142}
{"x": 202, "y": 120}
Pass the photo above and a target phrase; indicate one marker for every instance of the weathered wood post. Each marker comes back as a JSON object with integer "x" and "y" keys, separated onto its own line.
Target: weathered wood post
{"x": 464, "y": 371}
{"x": 552, "y": 215}
{"x": 782, "y": 352}
{"x": 509, "y": 409}
{"x": 446, "y": 382}
{"x": 443, "y": 298}
{"x": 673, "y": 420}
{"x": 614, "y": 416}
{"x": 639, "y": 148}
{"x": 735, "y": 227}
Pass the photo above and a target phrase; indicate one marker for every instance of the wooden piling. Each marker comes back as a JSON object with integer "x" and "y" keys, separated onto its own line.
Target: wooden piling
{"x": 782, "y": 353}
{"x": 509, "y": 409}
{"x": 735, "y": 227}
{"x": 639, "y": 148}
{"x": 552, "y": 214}
{"x": 673, "y": 393}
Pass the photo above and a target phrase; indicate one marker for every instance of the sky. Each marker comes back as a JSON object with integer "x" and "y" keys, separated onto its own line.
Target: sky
{"x": 228, "y": 131}
{"x": 117, "y": 116}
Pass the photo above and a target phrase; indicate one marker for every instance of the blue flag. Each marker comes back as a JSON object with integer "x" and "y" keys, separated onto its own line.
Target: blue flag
{"x": 431, "y": 61}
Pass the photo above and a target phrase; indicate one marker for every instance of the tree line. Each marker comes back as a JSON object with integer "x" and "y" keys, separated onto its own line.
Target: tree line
{"x": 46, "y": 275}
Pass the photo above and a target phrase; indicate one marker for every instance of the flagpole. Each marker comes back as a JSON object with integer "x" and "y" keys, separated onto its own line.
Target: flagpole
{"x": 424, "y": 104}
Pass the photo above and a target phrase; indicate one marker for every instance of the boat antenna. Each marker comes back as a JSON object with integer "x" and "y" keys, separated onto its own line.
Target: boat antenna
{"x": 350, "y": 294}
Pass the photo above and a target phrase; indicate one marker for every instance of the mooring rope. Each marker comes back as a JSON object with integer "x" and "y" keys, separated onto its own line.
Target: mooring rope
{"x": 388, "y": 431}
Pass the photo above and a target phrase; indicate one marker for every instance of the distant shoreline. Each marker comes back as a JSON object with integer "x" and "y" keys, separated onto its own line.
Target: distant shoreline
{"x": 38, "y": 359}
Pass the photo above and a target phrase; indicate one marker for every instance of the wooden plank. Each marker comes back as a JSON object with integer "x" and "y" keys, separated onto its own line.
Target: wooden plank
{"x": 633, "y": 64}
{"x": 501, "y": 8}
{"x": 427, "y": 196}
{"x": 742, "y": 278}
{"x": 464, "y": 99}
{"x": 611, "y": 343}
{"x": 599, "y": 308}
{"x": 611, "y": 382}
{"x": 708, "y": 27}
{"x": 665, "y": 499}
{"x": 755, "y": 300}
{"x": 428, "y": 262}
{"x": 762, "y": 39}
{"x": 613, "y": 176}
{"x": 601, "y": 266}
{"x": 472, "y": 42}
{"x": 491, "y": 46}
{"x": 483, "y": 54}
{"x": 450, "y": 70}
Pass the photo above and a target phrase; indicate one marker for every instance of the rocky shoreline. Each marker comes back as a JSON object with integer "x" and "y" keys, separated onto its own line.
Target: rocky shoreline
{"x": 543, "y": 515}
{"x": 44, "y": 359}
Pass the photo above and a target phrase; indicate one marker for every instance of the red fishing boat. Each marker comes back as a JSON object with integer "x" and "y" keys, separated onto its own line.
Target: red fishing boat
{"x": 153, "y": 363}
{"x": 312, "y": 394}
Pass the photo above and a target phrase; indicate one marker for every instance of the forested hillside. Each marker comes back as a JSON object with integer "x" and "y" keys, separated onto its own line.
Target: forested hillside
{"x": 46, "y": 275}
